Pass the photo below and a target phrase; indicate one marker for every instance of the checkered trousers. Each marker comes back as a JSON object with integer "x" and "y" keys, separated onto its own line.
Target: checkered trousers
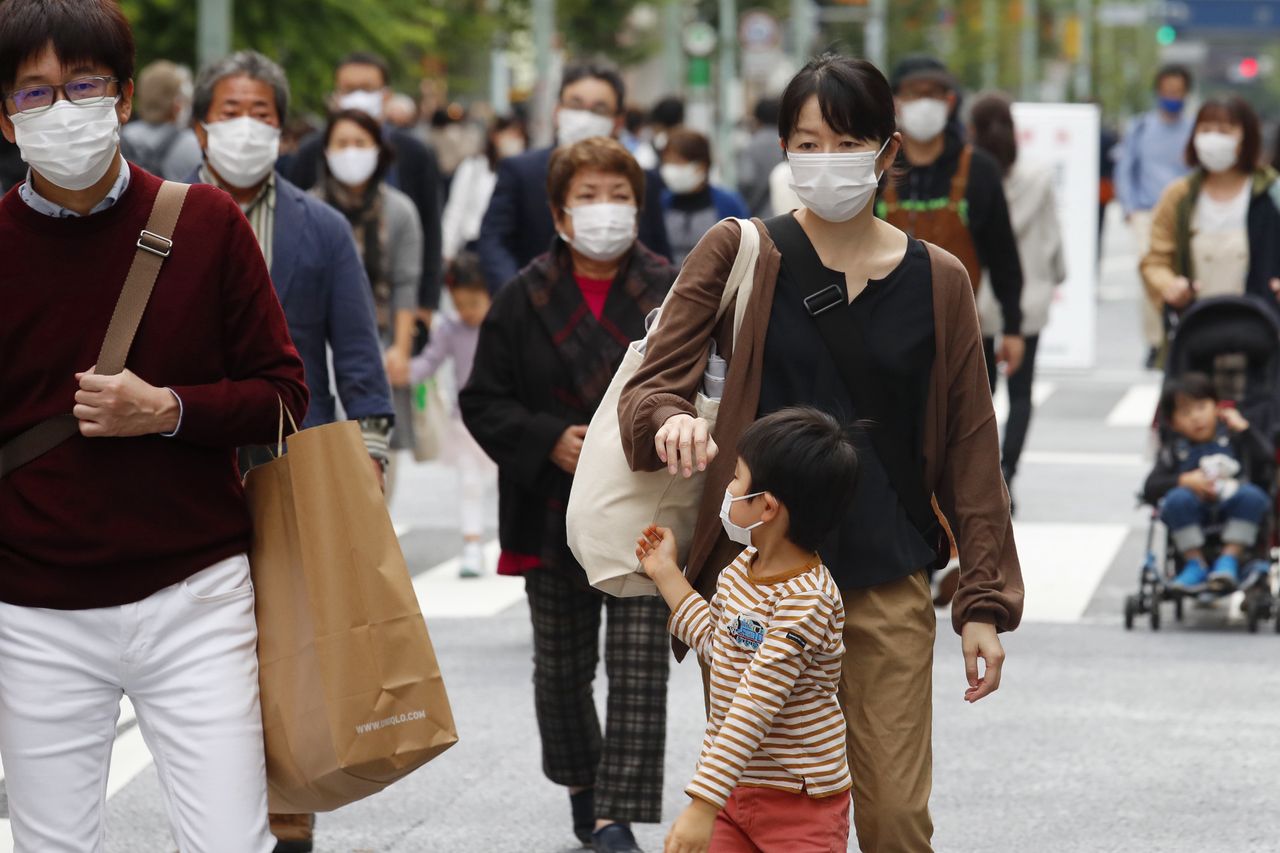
{"x": 624, "y": 762}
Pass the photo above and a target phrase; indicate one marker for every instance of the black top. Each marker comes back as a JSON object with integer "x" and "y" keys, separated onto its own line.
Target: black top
{"x": 989, "y": 222}
{"x": 877, "y": 543}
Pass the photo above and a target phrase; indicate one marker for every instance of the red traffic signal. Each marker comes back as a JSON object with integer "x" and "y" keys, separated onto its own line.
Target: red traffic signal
{"x": 1248, "y": 68}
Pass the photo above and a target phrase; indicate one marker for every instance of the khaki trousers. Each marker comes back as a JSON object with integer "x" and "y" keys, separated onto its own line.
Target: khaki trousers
{"x": 886, "y": 691}
{"x": 1152, "y": 307}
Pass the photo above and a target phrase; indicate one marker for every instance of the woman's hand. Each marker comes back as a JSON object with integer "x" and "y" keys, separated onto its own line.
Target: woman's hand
{"x": 1234, "y": 421}
{"x": 397, "y": 363}
{"x": 1012, "y": 350}
{"x": 980, "y": 640}
{"x": 656, "y": 551}
{"x": 1178, "y": 293}
{"x": 685, "y": 442}
{"x": 567, "y": 450}
{"x": 691, "y": 833}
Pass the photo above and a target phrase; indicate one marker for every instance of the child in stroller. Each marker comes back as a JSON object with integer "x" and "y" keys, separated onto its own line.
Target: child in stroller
{"x": 1199, "y": 478}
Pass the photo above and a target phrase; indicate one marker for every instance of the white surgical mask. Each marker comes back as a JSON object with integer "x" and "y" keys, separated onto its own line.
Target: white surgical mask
{"x": 602, "y": 232}
{"x": 242, "y": 150}
{"x": 369, "y": 103}
{"x": 836, "y": 187}
{"x": 737, "y": 533}
{"x": 683, "y": 178}
{"x": 509, "y": 146}
{"x": 924, "y": 118}
{"x": 576, "y": 125}
{"x": 71, "y": 146}
{"x": 1217, "y": 152}
{"x": 352, "y": 166}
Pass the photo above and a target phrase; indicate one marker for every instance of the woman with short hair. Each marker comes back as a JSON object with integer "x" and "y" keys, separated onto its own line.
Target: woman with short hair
{"x": 850, "y": 315}
{"x": 691, "y": 204}
{"x": 547, "y": 352}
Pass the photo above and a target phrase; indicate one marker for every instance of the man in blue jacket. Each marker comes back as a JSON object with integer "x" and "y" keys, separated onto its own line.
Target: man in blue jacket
{"x": 240, "y": 104}
{"x": 517, "y": 227}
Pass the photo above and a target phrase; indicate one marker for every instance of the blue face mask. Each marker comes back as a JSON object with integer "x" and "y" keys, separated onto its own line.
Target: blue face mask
{"x": 1171, "y": 105}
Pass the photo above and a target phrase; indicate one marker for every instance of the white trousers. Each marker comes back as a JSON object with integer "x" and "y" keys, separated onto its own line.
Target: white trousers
{"x": 187, "y": 658}
{"x": 475, "y": 472}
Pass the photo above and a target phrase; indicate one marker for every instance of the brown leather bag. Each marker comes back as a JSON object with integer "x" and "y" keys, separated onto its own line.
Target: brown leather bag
{"x": 155, "y": 243}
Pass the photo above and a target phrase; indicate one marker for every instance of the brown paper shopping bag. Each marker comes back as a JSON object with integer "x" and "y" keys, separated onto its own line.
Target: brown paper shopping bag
{"x": 352, "y": 697}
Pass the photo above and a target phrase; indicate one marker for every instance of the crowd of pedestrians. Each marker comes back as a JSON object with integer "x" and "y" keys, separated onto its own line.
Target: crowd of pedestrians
{"x": 903, "y": 257}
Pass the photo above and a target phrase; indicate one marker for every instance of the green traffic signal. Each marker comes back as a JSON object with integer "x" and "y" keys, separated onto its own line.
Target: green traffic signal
{"x": 1166, "y": 35}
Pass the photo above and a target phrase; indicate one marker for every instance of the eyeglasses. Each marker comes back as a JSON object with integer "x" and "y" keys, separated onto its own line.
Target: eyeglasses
{"x": 83, "y": 92}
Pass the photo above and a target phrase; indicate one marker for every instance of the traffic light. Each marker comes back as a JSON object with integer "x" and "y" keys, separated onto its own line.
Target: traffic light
{"x": 1248, "y": 68}
{"x": 1166, "y": 35}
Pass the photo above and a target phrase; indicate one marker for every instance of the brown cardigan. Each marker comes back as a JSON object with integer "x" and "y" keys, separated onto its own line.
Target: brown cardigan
{"x": 961, "y": 447}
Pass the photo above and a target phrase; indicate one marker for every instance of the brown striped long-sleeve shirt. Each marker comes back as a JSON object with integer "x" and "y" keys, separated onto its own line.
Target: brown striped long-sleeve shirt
{"x": 774, "y": 652}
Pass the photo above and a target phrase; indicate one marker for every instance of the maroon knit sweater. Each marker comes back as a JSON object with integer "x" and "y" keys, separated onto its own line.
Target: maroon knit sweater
{"x": 107, "y": 521}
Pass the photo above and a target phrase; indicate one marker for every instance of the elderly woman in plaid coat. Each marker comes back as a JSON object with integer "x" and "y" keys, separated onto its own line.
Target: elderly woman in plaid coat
{"x": 547, "y": 351}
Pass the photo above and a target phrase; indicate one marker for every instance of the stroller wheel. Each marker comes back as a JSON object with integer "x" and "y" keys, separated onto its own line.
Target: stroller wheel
{"x": 1131, "y": 610}
{"x": 1155, "y": 616}
{"x": 1255, "y": 612}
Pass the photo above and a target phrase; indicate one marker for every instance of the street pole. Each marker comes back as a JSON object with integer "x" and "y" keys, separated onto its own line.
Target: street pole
{"x": 1030, "y": 48}
{"x": 728, "y": 81}
{"x": 991, "y": 44}
{"x": 544, "y": 23}
{"x": 877, "y": 34}
{"x": 672, "y": 45}
{"x": 213, "y": 36}
{"x": 1084, "y": 62}
{"x": 804, "y": 29}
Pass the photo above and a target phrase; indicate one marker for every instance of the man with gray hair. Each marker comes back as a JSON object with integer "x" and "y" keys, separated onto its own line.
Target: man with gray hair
{"x": 160, "y": 139}
{"x": 241, "y": 102}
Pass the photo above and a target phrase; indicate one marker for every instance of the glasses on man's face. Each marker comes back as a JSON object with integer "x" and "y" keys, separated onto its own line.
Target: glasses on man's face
{"x": 603, "y": 110}
{"x": 83, "y": 92}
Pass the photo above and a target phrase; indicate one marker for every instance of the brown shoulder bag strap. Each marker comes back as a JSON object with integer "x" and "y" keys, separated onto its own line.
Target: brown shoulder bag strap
{"x": 960, "y": 181}
{"x": 155, "y": 243}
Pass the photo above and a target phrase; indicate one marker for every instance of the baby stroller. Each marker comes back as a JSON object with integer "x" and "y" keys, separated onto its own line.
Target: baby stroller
{"x": 1235, "y": 340}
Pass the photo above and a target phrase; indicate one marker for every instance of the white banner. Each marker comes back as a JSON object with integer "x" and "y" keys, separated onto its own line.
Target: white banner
{"x": 1065, "y": 137}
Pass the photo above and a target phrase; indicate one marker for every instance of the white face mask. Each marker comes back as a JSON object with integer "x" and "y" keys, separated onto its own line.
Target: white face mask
{"x": 683, "y": 178}
{"x": 369, "y": 103}
{"x": 242, "y": 150}
{"x": 602, "y": 232}
{"x": 1217, "y": 152}
{"x": 509, "y": 146}
{"x": 924, "y": 118}
{"x": 736, "y": 533}
{"x": 836, "y": 187}
{"x": 576, "y": 125}
{"x": 352, "y": 166}
{"x": 71, "y": 146}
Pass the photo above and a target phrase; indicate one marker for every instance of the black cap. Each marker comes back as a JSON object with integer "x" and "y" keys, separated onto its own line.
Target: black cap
{"x": 921, "y": 67}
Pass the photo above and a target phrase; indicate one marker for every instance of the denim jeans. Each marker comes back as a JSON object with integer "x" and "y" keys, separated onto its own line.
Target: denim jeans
{"x": 1185, "y": 515}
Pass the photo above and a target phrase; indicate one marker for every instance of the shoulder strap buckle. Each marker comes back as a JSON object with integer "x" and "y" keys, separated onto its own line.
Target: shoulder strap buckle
{"x": 824, "y": 300}
{"x": 149, "y": 241}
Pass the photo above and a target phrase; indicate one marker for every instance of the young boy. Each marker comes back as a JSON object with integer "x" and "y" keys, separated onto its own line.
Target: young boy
{"x": 456, "y": 339}
{"x": 773, "y": 774}
{"x": 1196, "y": 475}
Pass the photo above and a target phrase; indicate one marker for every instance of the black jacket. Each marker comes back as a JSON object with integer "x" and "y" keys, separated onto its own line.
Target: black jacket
{"x": 1250, "y": 447}
{"x": 415, "y": 172}
{"x": 988, "y": 217}
{"x": 509, "y": 405}
{"x": 517, "y": 226}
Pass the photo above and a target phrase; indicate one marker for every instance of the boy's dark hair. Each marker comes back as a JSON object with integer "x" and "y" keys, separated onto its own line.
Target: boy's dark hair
{"x": 464, "y": 273}
{"x": 1174, "y": 69}
{"x": 93, "y": 31}
{"x": 806, "y": 460}
{"x": 1193, "y": 386}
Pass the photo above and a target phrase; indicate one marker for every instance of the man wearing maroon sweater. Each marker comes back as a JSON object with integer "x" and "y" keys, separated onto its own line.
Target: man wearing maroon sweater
{"x": 122, "y": 550}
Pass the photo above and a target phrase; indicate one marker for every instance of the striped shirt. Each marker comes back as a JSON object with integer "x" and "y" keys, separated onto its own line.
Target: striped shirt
{"x": 261, "y": 212}
{"x": 774, "y": 651}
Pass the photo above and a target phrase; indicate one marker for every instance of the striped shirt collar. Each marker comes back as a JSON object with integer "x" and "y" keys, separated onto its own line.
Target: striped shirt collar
{"x": 40, "y": 204}
{"x": 261, "y": 211}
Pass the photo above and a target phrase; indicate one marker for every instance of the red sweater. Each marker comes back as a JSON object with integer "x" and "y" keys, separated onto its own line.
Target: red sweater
{"x": 108, "y": 521}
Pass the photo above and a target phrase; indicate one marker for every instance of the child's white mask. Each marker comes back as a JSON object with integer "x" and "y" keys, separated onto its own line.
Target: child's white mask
{"x": 737, "y": 533}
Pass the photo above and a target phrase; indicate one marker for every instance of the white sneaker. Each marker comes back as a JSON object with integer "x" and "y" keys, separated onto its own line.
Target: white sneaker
{"x": 472, "y": 561}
